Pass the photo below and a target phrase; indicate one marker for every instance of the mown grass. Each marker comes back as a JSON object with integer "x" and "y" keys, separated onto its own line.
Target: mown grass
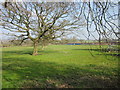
{"x": 59, "y": 66}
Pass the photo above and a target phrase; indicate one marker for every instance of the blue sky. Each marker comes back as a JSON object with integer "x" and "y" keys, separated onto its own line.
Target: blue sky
{"x": 81, "y": 32}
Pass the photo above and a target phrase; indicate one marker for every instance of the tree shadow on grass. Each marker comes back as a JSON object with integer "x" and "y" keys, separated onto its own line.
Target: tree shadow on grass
{"x": 104, "y": 51}
{"x": 28, "y": 73}
{"x": 28, "y": 52}
{"x": 116, "y": 55}
{"x": 99, "y": 50}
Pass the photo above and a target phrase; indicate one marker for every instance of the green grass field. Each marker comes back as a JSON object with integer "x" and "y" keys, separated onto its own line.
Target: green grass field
{"x": 58, "y": 66}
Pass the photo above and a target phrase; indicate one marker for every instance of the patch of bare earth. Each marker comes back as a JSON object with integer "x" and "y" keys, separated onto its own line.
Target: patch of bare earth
{"x": 56, "y": 84}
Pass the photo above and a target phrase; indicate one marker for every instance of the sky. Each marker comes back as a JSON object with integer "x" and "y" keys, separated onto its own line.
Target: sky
{"x": 80, "y": 34}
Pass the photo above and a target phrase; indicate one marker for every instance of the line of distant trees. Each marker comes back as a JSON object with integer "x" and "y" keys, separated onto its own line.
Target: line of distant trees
{"x": 62, "y": 41}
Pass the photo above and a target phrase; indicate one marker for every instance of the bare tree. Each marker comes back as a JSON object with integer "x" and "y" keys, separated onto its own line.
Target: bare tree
{"x": 103, "y": 16}
{"x": 37, "y": 21}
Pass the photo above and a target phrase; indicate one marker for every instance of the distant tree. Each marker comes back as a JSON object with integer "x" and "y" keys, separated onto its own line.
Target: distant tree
{"x": 36, "y": 21}
{"x": 45, "y": 42}
{"x": 73, "y": 39}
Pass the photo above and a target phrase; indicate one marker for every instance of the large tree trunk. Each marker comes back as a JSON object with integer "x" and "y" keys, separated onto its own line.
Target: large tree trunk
{"x": 35, "y": 50}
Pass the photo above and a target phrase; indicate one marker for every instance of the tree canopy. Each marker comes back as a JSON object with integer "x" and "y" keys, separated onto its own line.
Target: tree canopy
{"x": 37, "y": 21}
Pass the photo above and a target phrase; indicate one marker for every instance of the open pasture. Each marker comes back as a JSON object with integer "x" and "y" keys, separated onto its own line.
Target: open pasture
{"x": 59, "y": 66}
